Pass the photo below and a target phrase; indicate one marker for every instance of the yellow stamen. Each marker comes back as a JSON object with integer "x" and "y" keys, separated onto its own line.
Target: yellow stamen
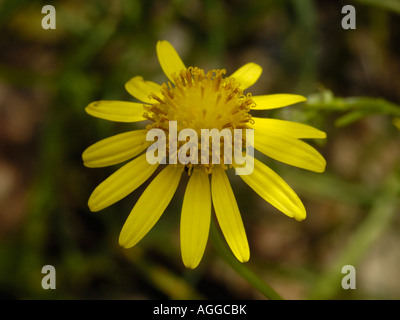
{"x": 201, "y": 101}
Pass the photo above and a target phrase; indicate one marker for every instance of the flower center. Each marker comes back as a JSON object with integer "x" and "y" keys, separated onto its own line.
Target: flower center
{"x": 200, "y": 100}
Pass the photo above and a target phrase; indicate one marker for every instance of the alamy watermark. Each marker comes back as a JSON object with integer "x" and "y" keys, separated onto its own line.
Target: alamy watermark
{"x": 49, "y": 280}
{"x": 349, "y": 280}
{"x": 49, "y": 20}
{"x": 188, "y": 152}
{"x": 349, "y": 20}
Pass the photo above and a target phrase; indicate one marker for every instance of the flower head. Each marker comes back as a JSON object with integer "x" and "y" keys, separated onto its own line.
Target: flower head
{"x": 198, "y": 100}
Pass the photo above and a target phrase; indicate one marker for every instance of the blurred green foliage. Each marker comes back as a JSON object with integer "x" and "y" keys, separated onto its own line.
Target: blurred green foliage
{"x": 351, "y": 78}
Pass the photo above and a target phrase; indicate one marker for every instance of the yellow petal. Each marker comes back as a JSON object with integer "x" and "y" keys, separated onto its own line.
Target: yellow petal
{"x": 274, "y": 101}
{"x": 120, "y": 111}
{"x": 290, "y": 128}
{"x": 115, "y": 149}
{"x": 289, "y": 150}
{"x": 121, "y": 183}
{"x": 150, "y": 206}
{"x": 273, "y": 189}
{"x": 141, "y": 89}
{"x": 195, "y": 218}
{"x": 228, "y": 214}
{"x": 169, "y": 59}
{"x": 247, "y": 75}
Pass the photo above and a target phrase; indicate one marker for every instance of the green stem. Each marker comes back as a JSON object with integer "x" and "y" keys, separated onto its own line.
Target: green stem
{"x": 219, "y": 245}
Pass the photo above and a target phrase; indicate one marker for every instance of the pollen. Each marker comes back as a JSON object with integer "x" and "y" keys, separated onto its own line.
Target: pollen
{"x": 199, "y": 100}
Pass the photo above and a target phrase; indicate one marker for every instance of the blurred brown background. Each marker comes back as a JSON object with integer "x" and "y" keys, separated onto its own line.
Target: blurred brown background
{"x": 47, "y": 77}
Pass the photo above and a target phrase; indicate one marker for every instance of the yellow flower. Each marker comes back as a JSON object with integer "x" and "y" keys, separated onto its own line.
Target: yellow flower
{"x": 198, "y": 100}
